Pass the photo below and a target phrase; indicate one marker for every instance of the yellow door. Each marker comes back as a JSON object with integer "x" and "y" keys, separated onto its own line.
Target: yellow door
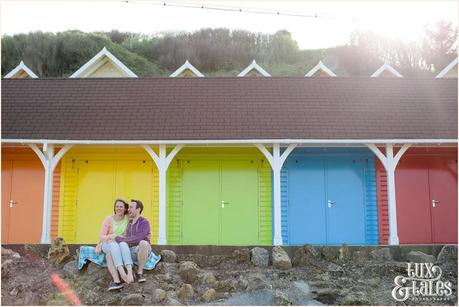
{"x": 95, "y": 197}
{"x": 134, "y": 180}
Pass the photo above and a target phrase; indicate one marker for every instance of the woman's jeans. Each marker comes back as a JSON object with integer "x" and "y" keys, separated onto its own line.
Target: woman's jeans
{"x": 120, "y": 254}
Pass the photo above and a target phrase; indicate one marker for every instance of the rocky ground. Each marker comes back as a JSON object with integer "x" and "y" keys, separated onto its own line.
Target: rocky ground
{"x": 312, "y": 276}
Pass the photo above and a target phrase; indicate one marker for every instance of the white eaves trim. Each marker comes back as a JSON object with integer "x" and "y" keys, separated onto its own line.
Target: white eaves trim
{"x": 255, "y": 66}
{"x": 253, "y": 141}
{"x": 20, "y": 67}
{"x": 447, "y": 68}
{"x": 184, "y": 67}
{"x": 320, "y": 66}
{"x": 92, "y": 63}
{"x": 384, "y": 67}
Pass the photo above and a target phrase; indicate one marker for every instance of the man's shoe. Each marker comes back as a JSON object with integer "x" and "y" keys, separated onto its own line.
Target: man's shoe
{"x": 115, "y": 286}
{"x": 141, "y": 278}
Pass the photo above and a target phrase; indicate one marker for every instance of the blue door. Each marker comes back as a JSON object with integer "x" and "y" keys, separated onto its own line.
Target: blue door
{"x": 306, "y": 198}
{"x": 326, "y": 200}
{"x": 345, "y": 201}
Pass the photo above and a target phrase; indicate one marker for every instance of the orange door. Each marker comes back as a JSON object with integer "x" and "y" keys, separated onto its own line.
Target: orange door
{"x": 23, "y": 205}
{"x": 7, "y": 166}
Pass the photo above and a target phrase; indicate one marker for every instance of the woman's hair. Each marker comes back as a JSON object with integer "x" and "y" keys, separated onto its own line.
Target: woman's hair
{"x": 126, "y": 205}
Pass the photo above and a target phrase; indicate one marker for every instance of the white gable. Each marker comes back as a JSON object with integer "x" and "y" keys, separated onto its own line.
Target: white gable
{"x": 19, "y": 70}
{"x": 103, "y": 64}
{"x": 448, "y": 68}
{"x": 386, "y": 67}
{"x": 184, "y": 67}
{"x": 254, "y": 66}
{"x": 320, "y": 67}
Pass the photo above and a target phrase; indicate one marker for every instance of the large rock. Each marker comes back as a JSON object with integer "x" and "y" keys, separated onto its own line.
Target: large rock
{"x": 188, "y": 271}
{"x": 344, "y": 253}
{"x": 209, "y": 295}
{"x": 259, "y": 257}
{"x": 420, "y": 257}
{"x": 132, "y": 300}
{"x": 448, "y": 253}
{"x": 242, "y": 255}
{"x": 304, "y": 255}
{"x": 168, "y": 256}
{"x": 208, "y": 279}
{"x": 159, "y": 295}
{"x": 330, "y": 253}
{"x": 71, "y": 269}
{"x": 58, "y": 251}
{"x": 6, "y": 251}
{"x": 327, "y": 296}
{"x": 281, "y": 260}
{"x": 225, "y": 285}
{"x": 185, "y": 293}
{"x": 281, "y": 299}
{"x": 356, "y": 299}
{"x": 381, "y": 254}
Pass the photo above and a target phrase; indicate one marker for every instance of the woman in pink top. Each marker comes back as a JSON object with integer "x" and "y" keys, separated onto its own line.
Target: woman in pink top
{"x": 114, "y": 225}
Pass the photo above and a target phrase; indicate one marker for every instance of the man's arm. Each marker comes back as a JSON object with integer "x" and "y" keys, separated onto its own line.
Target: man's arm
{"x": 142, "y": 234}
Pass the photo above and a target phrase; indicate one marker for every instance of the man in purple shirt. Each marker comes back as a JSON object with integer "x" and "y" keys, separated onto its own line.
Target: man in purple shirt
{"x": 136, "y": 243}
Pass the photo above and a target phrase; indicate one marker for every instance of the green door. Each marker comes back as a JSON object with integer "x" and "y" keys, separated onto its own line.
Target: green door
{"x": 239, "y": 203}
{"x": 201, "y": 188}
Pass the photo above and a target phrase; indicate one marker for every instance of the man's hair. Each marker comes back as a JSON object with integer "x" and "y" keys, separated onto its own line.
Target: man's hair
{"x": 138, "y": 204}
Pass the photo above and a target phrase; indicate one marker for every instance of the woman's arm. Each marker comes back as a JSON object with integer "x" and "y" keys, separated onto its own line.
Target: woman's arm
{"x": 105, "y": 230}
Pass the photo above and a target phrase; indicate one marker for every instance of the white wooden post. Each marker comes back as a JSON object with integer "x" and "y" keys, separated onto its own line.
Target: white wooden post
{"x": 276, "y": 160}
{"x": 162, "y": 163}
{"x": 390, "y": 163}
{"x": 49, "y": 161}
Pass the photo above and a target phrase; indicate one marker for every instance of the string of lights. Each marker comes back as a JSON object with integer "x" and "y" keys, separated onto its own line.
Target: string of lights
{"x": 238, "y": 9}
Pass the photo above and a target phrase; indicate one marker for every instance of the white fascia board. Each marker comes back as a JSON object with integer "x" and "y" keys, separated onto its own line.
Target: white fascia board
{"x": 320, "y": 66}
{"x": 255, "y": 66}
{"x": 447, "y": 68}
{"x": 98, "y": 57}
{"x": 253, "y": 141}
{"x": 384, "y": 67}
{"x": 18, "y": 68}
{"x": 185, "y": 66}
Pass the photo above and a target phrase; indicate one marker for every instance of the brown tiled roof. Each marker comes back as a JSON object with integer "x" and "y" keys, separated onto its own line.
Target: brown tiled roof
{"x": 229, "y": 108}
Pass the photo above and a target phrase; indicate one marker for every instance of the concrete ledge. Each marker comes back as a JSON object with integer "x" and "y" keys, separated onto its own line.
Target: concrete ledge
{"x": 398, "y": 252}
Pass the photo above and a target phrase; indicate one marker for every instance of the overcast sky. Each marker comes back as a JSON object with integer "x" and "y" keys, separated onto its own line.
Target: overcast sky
{"x": 334, "y": 22}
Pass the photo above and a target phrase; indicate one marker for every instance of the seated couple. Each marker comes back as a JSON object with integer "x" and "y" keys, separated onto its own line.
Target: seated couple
{"x": 124, "y": 240}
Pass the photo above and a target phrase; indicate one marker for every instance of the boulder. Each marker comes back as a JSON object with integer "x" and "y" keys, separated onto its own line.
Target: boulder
{"x": 242, "y": 255}
{"x": 381, "y": 254}
{"x": 134, "y": 299}
{"x": 327, "y": 296}
{"x": 71, "y": 269}
{"x": 159, "y": 295}
{"x": 225, "y": 285}
{"x": 356, "y": 299}
{"x": 209, "y": 295}
{"x": 344, "y": 253}
{"x": 448, "y": 253}
{"x": 420, "y": 257}
{"x": 208, "y": 279}
{"x": 188, "y": 271}
{"x": 360, "y": 255}
{"x": 259, "y": 257}
{"x": 58, "y": 251}
{"x": 281, "y": 299}
{"x": 185, "y": 293}
{"x": 304, "y": 255}
{"x": 168, "y": 256}
{"x": 6, "y": 251}
{"x": 332, "y": 267}
{"x": 281, "y": 260}
{"x": 330, "y": 253}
